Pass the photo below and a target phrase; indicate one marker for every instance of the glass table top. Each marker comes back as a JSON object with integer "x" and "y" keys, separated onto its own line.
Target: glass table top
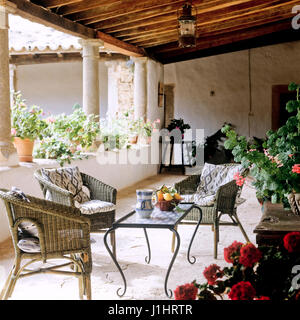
{"x": 158, "y": 219}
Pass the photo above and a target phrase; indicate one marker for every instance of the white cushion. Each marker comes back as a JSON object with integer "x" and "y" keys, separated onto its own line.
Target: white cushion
{"x": 29, "y": 245}
{"x": 96, "y": 206}
{"x": 200, "y": 199}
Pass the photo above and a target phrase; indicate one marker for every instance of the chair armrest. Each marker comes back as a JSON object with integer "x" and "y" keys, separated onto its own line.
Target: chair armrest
{"x": 226, "y": 197}
{"x": 58, "y": 195}
{"x": 61, "y": 228}
{"x": 99, "y": 190}
{"x": 188, "y": 185}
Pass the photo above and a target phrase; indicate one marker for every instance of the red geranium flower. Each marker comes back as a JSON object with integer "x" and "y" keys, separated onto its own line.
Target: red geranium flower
{"x": 291, "y": 241}
{"x": 296, "y": 168}
{"x": 262, "y": 298}
{"x": 239, "y": 180}
{"x": 249, "y": 255}
{"x": 242, "y": 291}
{"x": 212, "y": 273}
{"x": 232, "y": 251}
{"x": 186, "y": 292}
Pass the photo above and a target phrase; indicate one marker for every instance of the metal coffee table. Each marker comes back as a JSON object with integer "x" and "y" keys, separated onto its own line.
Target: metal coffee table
{"x": 158, "y": 220}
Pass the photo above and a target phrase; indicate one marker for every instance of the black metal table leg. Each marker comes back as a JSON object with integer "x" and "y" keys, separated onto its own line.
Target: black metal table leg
{"x": 169, "y": 292}
{"x": 115, "y": 261}
{"x": 147, "y": 258}
{"x": 192, "y": 239}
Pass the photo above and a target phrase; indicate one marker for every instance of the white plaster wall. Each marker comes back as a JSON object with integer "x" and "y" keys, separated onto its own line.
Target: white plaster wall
{"x": 117, "y": 175}
{"x": 56, "y": 87}
{"x": 227, "y": 75}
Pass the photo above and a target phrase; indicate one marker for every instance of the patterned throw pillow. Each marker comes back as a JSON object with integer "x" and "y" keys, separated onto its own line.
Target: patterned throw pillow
{"x": 68, "y": 178}
{"x": 214, "y": 176}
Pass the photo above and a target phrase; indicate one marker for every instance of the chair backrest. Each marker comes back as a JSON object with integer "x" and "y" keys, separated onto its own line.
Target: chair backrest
{"x": 214, "y": 176}
{"x": 53, "y": 192}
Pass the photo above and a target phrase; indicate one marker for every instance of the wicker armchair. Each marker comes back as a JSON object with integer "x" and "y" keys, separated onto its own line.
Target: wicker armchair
{"x": 62, "y": 234}
{"x": 225, "y": 204}
{"x": 98, "y": 191}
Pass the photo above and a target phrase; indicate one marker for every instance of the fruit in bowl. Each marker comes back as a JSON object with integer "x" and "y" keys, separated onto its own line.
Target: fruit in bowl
{"x": 167, "y": 198}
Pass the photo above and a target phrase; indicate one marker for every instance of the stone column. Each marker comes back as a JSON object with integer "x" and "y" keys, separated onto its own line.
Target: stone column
{"x": 90, "y": 75}
{"x": 112, "y": 87}
{"x": 140, "y": 87}
{"x": 8, "y": 155}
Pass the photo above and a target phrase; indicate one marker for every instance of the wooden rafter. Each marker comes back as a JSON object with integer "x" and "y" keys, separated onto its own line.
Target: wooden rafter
{"x": 214, "y": 43}
{"x": 241, "y": 20}
{"x": 131, "y": 26}
{"x": 203, "y": 18}
{"x": 54, "y": 3}
{"x": 122, "y": 9}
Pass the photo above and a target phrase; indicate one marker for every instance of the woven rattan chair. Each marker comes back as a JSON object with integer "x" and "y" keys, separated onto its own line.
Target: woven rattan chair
{"x": 225, "y": 204}
{"x": 98, "y": 191}
{"x": 62, "y": 234}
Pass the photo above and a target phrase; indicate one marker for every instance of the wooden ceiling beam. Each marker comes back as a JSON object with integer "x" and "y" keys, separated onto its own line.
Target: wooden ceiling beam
{"x": 222, "y": 39}
{"x": 167, "y": 14}
{"x": 54, "y": 3}
{"x": 87, "y": 5}
{"x": 219, "y": 30}
{"x": 119, "y": 23}
{"x": 41, "y": 15}
{"x": 120, "y": 46}
{"x": 126, "y": 7}
{"x": 240, "y": 21}
{"x": 274, "y": 37}
{"x": 240, "y": 9}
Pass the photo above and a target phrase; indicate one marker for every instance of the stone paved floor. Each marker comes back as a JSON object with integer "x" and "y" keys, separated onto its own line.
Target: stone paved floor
{"x": 144, "y": 282}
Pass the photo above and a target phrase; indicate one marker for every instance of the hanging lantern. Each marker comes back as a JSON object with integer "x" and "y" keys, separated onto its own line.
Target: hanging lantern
{"x": 187, "y": 26}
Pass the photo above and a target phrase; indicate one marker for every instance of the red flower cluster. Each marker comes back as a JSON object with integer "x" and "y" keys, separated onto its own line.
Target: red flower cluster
{"x": 262, "y": 298}
{"x": 239, "y": 179}
{"x": 242, "y": 290}
{"x": 296, "y": 168}
{"x": 232, "y": 251}
{"x": 212, "y": 273}
{"x": 186, "y": 292}
{"x": 249, "y": 255}
{"x": 291, "y": 241}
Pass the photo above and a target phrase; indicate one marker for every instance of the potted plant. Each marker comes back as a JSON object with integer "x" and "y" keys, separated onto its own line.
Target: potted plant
{"x": 147, "y": 128}
{"x": 66, "y": 137}
{"x": 26, "y": 127}
{"x": 275, "y": 165}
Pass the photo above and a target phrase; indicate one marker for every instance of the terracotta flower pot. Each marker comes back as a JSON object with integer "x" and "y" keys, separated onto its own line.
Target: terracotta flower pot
{"x": 133, "y": 139}
{"x": 24, "y": 149}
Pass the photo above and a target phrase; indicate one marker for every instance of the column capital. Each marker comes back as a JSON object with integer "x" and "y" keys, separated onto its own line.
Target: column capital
{"x": 90, "y": 48}
{"x": 91, "y": 42}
